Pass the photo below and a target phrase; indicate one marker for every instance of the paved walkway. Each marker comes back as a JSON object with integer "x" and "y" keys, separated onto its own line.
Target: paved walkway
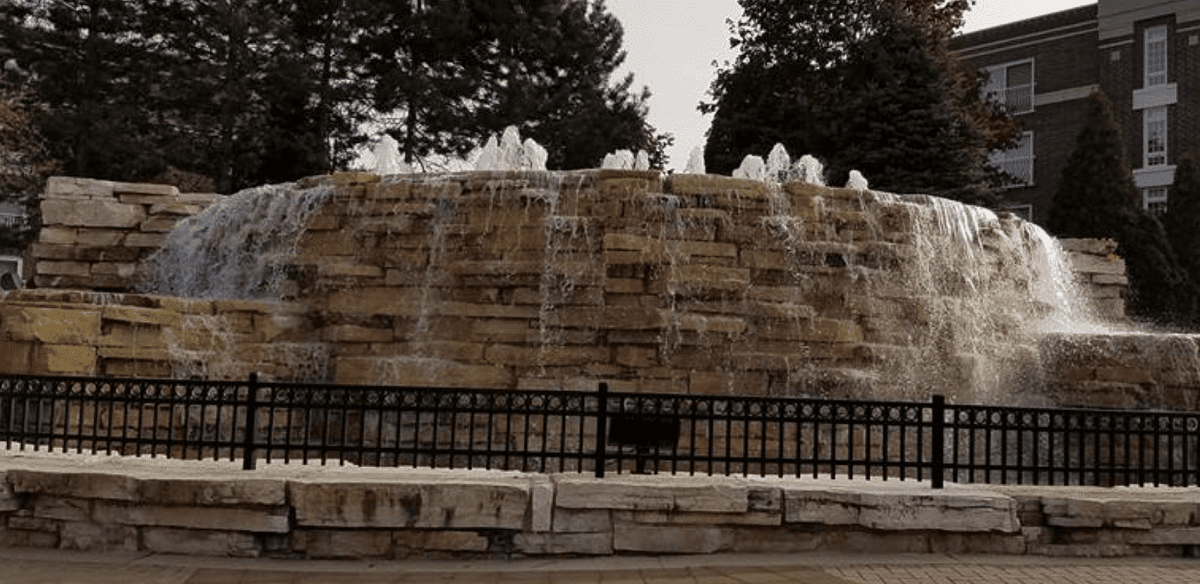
{"x": 31, "y": 566}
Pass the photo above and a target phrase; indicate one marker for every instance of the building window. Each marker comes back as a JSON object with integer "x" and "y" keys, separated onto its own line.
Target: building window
{"x": 1156, "y": 56}
{"x": 1154, "y": 135}
{"x": 1011, "y": 85}
{"x": 1016, "y": 163}
{"x": 1154, "y": 200}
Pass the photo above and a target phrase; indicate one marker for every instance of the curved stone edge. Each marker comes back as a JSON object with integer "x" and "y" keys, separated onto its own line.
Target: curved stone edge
{"x": 207, "y": 508}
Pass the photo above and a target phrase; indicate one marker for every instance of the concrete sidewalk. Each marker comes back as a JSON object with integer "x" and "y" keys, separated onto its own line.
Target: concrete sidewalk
{"x": 36, "y": 566}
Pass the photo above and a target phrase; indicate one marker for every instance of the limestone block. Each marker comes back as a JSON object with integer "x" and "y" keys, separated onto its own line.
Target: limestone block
{"x": 473, "y": 310}
{"x": 91, "y": 213}
{"x": 212, "y": 491}
{"x": 337, "y": 269}
{"x": 666, "y": 539}
{"x": 541, "y": 505}
{"x": 192, "y": 542}
{"x": 172, "y": 211}
{"x": 119, "y": 269}
{"x": 424, "y": 541}
{"x": 346, "y": 333}
{"x": 1166, "y": 536}
{"x": 159, "y": 224}
{"x": 57, "y": 235}
{"x": 545, "y": 544}
{"x": 1073, "y": 512}
{"x": 26, "y": 523}
{"x": 707, "y": 277}
{"x": 50, "y": 325}
{"x": 202, "y": 199}
{"x": 509, "y": 355}
{"x": 380, "y": 300}
{"x": 582, "y": 520}
{"x": 49, "y": 268}
{"x": 67, "y": 187}
{"x": 713, "y": 519}
{"x": 1091, "y": 264}
{"x": 634, "y": 318}
{"x": 441, "y": 505}
{"x": 417, "y": 372}
{"x": 137, "y": 315}
{"x": 138, "y": 239}
{"x": 83, "y": 536}
{"x": 66, "y": 359}
{"x": 74, "y": 484}
{"x": 99, "y": 237}
{"x": 17, "y": 358}
{"x": 820, "y": 507}
{"x": 711, "y": 323}
{"x": 155, "y": 190}
{"x": 898, "y": 510}
{"x": 337, "y": 544}
{"x": 261, "y": 520}
{"x": 650, "y": 493}
{"x": 62, "y": 508}
{"x": 8, "y": 500}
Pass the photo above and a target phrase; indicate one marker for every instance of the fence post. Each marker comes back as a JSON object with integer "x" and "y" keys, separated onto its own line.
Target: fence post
{"x": 248, "y": 459}
{"x": 939, "y": 442}
{"x": 601, "y": 429}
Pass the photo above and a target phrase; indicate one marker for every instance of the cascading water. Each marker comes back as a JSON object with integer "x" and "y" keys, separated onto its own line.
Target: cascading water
{"x": 789, "y": 283}
{"x": 236, "y": 248}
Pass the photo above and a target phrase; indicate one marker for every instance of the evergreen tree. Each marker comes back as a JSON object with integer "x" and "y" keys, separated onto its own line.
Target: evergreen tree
{"x": 457, "y": 71}
{"x": 1096, "y": 197}
{"x": 24, "y": 161}
{"x": 866, "y": 85}
{"x": 91, "y": 68}
{"x": 1182, "y": 219}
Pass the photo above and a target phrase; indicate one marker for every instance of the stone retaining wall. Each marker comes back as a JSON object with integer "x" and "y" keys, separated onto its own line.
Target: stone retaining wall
{"x": 208, "y": 508}
{"x": 696, "y": 284}
{"x": 1101, "y": 274}
{"x": 94, "y": 232}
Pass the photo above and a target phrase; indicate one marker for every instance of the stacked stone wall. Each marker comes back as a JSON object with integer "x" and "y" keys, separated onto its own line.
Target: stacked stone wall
{"x": 211, "y": 509}
{"x": 94, "y": 233}
{"x": 698, "y": 284}
{"x": 1101, "y": 275}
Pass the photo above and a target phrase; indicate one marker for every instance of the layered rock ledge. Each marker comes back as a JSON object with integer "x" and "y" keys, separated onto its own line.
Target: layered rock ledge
{"x": 97, "y": 503}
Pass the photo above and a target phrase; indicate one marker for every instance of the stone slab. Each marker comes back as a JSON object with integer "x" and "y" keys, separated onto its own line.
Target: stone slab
{"x": 91, "y": 213}
{"x": 650, "y": 493}
{"x": 448, "y": 505}
{"x": 167, "y": 540}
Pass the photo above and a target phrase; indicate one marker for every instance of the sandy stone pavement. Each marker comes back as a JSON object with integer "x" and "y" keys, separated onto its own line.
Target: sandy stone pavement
{"x": 31, "y": 566}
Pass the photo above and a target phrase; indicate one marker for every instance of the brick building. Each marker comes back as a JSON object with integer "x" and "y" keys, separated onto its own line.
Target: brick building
{"x": 1144, "y": 54}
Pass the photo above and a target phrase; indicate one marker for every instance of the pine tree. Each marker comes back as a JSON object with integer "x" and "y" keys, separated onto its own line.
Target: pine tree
{"x": 1096, "y": 195}
{"x": 456, "y": 71}
{"x": 1096, "y": 198}
{"x": 91, "y": 69}
{"x": 24, "y": 162}
{"x": 864, "y": 84}
{"x": 1182, "y": 219}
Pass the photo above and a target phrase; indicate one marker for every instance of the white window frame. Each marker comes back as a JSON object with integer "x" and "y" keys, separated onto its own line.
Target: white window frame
{"x": 1017, "y": 161}
{"x": 1155, "y": 56}
{"x": 999, "y": 90}
{"x": 1154, "y": 123}
{"x": 1154, "y": 199}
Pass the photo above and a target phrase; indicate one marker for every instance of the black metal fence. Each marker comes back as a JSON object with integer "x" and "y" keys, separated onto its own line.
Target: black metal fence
{"x": 599, "y": 432}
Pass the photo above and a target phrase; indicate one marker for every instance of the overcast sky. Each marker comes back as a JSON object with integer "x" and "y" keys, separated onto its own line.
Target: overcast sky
{"x": 671, "y": 45}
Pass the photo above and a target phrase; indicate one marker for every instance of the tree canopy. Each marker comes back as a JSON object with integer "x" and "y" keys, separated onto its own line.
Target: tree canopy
{"x": 861, "y": 84}
{"x": 253, "y": 91}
